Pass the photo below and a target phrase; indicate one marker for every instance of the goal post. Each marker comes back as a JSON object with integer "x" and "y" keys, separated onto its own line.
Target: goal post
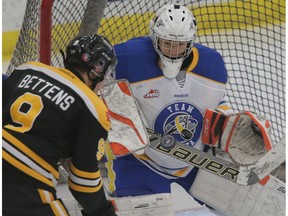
{"x": 45, "y": 31}
{"x": 250, "y": 35}
{"x": 49, "y": 25}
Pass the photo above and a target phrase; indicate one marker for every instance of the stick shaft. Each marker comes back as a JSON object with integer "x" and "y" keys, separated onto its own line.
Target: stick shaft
{"x": 243, "y": 175}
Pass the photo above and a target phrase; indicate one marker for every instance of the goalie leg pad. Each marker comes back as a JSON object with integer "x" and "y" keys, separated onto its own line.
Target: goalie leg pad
{"x": 154, "y": 204}
{"x": 230, "y": 199}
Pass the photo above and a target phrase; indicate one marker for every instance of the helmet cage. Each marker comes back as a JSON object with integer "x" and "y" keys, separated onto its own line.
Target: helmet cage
{"x": 175, "y": 50}
{"x": 100, "y": 67}
{"x": 176, "y": 25}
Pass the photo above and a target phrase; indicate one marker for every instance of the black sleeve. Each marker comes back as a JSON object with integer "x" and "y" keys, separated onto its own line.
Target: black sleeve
{"x": 84, "y": 179}
{"x": 9, "y": 85}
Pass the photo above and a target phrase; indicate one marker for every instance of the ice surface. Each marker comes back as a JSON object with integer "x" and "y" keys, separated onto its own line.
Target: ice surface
{"x": 184, "y": 204}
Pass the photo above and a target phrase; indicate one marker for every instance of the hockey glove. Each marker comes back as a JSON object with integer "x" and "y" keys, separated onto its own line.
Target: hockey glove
{"x": 244, "y": 136}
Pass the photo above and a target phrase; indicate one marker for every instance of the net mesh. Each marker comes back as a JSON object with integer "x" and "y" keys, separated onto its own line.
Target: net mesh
{"x": 250, "y": 35}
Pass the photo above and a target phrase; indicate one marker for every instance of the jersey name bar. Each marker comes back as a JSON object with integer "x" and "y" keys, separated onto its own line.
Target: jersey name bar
{"x": 52, "y": 92}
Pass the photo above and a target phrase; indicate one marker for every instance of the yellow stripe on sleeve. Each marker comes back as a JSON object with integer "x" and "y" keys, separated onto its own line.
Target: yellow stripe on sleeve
{"x": 45, "y": 196}
{"x": 84, "y": 189}
{"x": 83, "y": 174}
{"x": 26, "y": 169}
{"x": 58, "y": 208}
{"x": 14, "y": 141}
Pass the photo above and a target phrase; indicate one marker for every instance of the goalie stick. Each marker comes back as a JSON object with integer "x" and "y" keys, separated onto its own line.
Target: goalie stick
{"x": 243, "y": 175}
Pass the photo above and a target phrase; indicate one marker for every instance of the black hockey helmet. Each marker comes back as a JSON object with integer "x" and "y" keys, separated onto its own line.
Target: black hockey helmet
{"x": 91, "y": 53}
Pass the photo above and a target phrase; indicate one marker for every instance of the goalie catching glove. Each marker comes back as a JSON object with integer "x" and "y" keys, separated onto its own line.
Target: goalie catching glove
{"x": 244, "y": 136}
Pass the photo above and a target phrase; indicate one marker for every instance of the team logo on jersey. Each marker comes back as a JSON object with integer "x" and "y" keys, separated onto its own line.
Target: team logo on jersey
{"x": 181, "y": 119}
{"x": 152, "y": 93}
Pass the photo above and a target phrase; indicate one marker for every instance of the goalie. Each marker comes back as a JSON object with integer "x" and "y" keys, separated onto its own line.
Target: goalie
{"x": 240, "y": 138}
{"x": 174, "y": 86}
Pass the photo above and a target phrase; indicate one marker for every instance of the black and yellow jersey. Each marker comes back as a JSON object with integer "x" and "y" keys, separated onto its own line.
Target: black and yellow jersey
{"x": 50, "y": 114}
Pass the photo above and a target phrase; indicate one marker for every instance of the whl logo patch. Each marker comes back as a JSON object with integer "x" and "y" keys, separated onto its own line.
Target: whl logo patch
{"x": 152, "y": 93}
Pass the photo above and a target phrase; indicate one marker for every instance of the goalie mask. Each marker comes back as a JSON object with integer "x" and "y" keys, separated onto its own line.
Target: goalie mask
{"x": 173, "y": 32}
{"x": 93, "y": 54}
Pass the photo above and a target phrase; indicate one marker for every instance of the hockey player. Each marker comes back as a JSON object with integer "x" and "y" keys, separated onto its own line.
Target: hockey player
{"x": 174, "y": 80}
{"x": 51, "y": 114}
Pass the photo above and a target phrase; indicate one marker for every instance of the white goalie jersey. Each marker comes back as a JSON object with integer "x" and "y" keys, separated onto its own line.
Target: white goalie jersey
{"x": 171, "y": 109}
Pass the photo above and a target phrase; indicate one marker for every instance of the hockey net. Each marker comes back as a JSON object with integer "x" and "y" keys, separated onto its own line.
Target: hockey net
{"x": 250, "y": 35}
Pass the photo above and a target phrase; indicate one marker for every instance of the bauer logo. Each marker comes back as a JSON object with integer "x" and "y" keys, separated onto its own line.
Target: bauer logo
{"x": 182, "y": 120}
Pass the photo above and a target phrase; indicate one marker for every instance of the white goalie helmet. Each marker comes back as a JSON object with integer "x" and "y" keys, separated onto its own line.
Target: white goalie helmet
{"x": 173, "y": 32}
